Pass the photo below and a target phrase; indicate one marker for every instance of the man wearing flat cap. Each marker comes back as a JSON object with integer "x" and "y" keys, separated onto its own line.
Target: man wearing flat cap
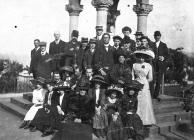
{"x": 56, "y": 47}
{"x": 44, "y": 68}
{"x": 161, "y": 52}
{"x": 35, "y": 53}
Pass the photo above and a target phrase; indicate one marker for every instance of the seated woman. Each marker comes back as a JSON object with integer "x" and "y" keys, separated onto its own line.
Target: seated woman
{"x": 133, "y": 126}
{"x": 112, "y": 107}
{"x": 48, "y": 118}
{"x": 80, "y": 111}
{"x": 37, "y": 100}
{"x": 97, "y": 94}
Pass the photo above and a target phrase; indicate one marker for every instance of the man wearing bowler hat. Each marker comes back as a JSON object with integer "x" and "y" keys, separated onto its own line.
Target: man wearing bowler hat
{"x": 99, "y": 33}
{"x": 161, "y": 52}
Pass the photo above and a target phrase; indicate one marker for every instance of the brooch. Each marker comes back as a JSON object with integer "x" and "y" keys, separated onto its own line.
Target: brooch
{"x": 142, "y": 66}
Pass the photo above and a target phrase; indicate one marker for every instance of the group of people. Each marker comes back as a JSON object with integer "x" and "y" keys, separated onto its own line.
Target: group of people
{"x": 95, "y": 84}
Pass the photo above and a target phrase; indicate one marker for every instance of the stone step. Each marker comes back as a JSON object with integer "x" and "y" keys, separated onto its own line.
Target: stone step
{"x": 12, "y": 108}
{"x": 166, "y": 99}
{"x": 28, "y": 96}
{"x": 168, "y": 107}
{"x": 172, "y": 116}
{"x": 165, "y": 127}
{"x": 23, "y": 103}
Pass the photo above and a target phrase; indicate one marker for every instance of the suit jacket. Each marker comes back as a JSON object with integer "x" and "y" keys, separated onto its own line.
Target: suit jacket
{"x": 57, "y": 48}
{"x": 162, "y": 50}
{"x": 102, "y": 97}
{"x": 34, "y": 59}
{"x": 104, "y": 58}
{"x": 89, "y": 59}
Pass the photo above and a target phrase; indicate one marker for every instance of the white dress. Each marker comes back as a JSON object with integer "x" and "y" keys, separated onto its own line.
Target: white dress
{"x": 140, "y": 73}
{"x": 37, "y": 100}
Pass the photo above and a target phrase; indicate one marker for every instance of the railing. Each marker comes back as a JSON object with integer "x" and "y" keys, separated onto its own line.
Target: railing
{"x": 23, "y": 83}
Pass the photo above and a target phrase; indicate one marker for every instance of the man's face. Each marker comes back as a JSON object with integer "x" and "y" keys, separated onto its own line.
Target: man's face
{"x": 92, "y": 46}
{"x": 157, "y": 38}
{"x": 126, "y": 33}
{"x": 56, "y": 77}
{"x": 127, "y": 46}
{"x": 82, "y": 92}
{"x": 121, "y": 59}
{"x": 89, "y": 72}
{"x": 49, "y": 87}
{"x": 106, "y": 39}
{"x": 84, "y": 45}
{"x": 138, "y": 43}
{"x": 99, "y": 32}
{"x": 36, "y": 44}
{"x": 138, "y": 36}
{"x": 117, "y": 42}
{"x": 57, "y": 36}
{"x": 43, "y": 48}
{"x": 144, "y": 42}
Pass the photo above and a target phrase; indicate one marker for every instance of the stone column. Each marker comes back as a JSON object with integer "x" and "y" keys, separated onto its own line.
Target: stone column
{"x": 142, "y": 9}
{"x": 102, "y": 11}
{"x": 74, "y": 11}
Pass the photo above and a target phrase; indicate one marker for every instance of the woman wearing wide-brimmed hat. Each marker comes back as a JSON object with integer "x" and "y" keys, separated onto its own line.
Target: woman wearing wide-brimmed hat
{"x": 142, "y": 72}
{"x": 37, "y": 100}
{"x": 112, "y": 107}
{"x": 97, "y": 94}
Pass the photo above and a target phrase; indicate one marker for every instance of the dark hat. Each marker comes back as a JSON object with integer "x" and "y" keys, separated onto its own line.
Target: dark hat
{"x": 67, "y": 68}
{"x": 111, "y": 90}
{"x": 138, "y": 33}
{"x": 99, "y": 79}
{"x": 50, "y": 82}
{"x": 121, "y": 53}
{"x": 144, "y": 37}
{"x": 75, "y": 33}
{"x": 134, "y": 84}
{"x": 42, "y": 43}
{"x": 126, "y": 28}
{"x": 84, "y": 40}
{"x": 92, "y": 40}
{"x": 39, "y": 80}
{"x": 117, "y": 37}
{"x": 157, "y": 33}
{"x": 98, "y": 27}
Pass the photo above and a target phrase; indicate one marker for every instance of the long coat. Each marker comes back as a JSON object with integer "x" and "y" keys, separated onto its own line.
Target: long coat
{"x": 89, "y": 59}
{"x": 35, "y": 54}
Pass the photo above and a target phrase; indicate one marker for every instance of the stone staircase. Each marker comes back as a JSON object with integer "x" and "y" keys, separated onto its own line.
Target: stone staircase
{"x": 167, "y": 111}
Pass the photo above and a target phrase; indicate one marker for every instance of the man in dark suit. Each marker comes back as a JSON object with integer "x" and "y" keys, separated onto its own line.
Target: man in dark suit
{"x": 35, "y": 53}
{"x": 56, "y": 47}
{"x": 161, "y": 56}
{"x": 104, "y": 58}
{"x": 99, "y": 33}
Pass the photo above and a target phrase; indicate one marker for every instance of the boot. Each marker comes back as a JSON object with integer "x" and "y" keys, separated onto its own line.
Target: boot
{"x": 27, "y": 125}
{"x": 23, "y": 124}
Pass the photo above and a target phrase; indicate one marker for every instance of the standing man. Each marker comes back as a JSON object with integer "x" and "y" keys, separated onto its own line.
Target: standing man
{"x": 99, "y": 33}
{"x": 117, "y": 42}
{"x": 105, "y": 56}
{"x": 161, "y": 52}
{"x": 35, "y": 53}
{"x": 56, "y": 47}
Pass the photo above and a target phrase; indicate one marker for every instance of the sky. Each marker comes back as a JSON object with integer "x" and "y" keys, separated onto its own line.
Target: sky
{"x": 22, "y": 21}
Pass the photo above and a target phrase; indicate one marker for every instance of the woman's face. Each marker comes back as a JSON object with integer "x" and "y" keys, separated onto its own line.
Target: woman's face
{"x": 82, "y": 92}
{"x": 131, "y": 92}
{"x": 97, "y": 85}
{"x": 113, "y": 95}
{"x": 121, "y": 59}
{"x": 142, "y": 59}
{"x": 39, "y": 86}
{"x": 49, "y": 87}
{"x": 138, "y": 43}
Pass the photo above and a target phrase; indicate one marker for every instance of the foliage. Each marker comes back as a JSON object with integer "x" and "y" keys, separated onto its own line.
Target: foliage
{"x": 8, "y": 80}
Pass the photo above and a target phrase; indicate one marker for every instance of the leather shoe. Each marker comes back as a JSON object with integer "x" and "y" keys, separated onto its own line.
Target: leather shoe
{"x": 23, "y": 124}
{"x": 33, "y": 129}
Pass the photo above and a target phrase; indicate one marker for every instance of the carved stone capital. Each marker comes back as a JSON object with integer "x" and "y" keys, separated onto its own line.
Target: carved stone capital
{"x": 102, "y": 4}
{"x": 142, "y": 9}
{"x": 74, "y": 10}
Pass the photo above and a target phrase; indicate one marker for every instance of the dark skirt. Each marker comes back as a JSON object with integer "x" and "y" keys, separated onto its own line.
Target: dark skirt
{"x": 74, "y": 131}
{"x": 46, "y": 118}
{"x": 133, "y": 127}
{"x": 115, "y": 130}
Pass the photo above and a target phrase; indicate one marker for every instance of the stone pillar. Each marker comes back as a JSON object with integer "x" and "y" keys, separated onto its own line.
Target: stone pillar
{"x": 74, "y": 11}
{"x": 142, "y": 9}
{"x": 102, "y": 12}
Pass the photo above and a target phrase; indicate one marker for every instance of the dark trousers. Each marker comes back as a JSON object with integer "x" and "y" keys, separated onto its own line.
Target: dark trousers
{"x": 158, "y": 81}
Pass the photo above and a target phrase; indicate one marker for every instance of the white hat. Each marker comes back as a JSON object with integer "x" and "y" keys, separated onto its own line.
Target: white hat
{"x": 146, "y": 52}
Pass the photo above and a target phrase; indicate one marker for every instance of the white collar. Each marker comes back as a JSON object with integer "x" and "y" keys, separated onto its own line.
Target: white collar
{"x": 116, "y": 47}
{"x": 43, "y": 53}
{"x": 106, "y": 45}
{"x": 37, "y": 48}
{"x": 57, "y": 42}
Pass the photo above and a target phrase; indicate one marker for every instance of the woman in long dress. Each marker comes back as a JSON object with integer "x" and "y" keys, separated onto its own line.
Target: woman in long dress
{"x": 142, "y": 72}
